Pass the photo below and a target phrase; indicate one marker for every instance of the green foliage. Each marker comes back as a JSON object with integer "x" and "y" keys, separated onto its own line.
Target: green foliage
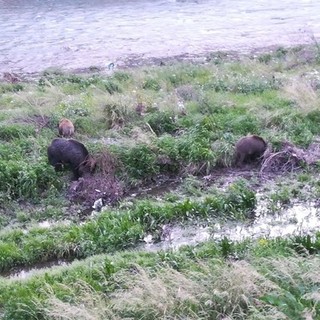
{"x": 243, "y": 84}
{"x": 23, "y": 180}
{"x": 312, "y": 121}
{"x": 223, "y": 150}
{"x": 114, "y": 230}
{"x": 199, "y": 268}
{"x": 117, "y": 114}
{"x": 122, "y": 76}
{"x": 10, "y": 87}
{"x": 282, "y": 196}
{"x": 151, "y": 84}
{"x": 226, "y": 247}
{"x": 9, "y": 132}
{"x": 192, "y": 148}
{"x": 235, "y": 120}
{"x": 241, "y": 198}
{"x": 218, "y": 57}
{"x": 224, "y": 100}
{"x": 162, "y": 122}
{"x": 111, "y": 86}
{"x": 286, "y": 302}
{"x": 89, "y": 126}
{"x": 58, "y": 78}
{"x": 241, "y": 124}
{"x": 265, "y": 58}
{"x": 304, "y": 244}
{"x": 186, "y": 73}
{"x": 168, "y": 146}
{"x": 139, "y": 162}
{"x": 9, "y": 255}
{"x": 71, "y": 110}
{"x": 278, "y": 55}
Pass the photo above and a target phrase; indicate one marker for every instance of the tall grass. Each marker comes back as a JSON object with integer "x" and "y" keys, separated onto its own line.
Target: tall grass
{"x": 191, "y": 283}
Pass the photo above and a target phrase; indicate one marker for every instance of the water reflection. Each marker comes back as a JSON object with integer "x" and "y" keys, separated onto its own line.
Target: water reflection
{"x": 299, "y": 220}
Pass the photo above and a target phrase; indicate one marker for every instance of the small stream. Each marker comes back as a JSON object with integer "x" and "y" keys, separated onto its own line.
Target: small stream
{"x": 299, "y": 219}
{"x": 27, "y": 272}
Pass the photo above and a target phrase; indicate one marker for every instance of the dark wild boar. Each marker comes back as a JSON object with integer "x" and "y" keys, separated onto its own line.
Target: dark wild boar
{"x": 66, "y": 128}
{"x": 249, "y": 148}
{"x": 71, "y": 153}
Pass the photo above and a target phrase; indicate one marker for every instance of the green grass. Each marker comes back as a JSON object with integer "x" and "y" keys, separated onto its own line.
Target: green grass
{"x": 267, "y": 280}
{"x": 117, "y": 229}
{"x": 192, "y": 115}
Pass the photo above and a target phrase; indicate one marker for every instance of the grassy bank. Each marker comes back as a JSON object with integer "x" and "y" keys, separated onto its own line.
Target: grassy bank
{"x": 174, "y": 119}
{"x": 248, "y": 280}
{"x": 117, "y": 229}
{"x": 175, "y": 122}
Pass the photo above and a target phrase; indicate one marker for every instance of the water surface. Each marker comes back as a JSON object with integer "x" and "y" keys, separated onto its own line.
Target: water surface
{"x": 71, "y": 34}
{"x": 300, "y": 219}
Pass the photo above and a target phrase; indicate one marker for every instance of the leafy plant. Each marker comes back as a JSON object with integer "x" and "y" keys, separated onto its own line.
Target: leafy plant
{"x": 162, "y": 122}
{"x": 140, "y": 162}
{"x": 9, "y": 132}
{"x": 151, "y": 84}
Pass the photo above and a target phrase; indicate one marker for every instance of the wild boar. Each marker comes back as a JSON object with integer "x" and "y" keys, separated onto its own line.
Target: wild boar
{"x": 66, "y": 128}
{"x": 72, "y": 153}
{"x": 249, "y": 148}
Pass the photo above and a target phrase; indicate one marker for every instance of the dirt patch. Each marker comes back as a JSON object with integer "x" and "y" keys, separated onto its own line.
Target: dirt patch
{"x": 103, "y": 186}
{"x": 91, "y": 189}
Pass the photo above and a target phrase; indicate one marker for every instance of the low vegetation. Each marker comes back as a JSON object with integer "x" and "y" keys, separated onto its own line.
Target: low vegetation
{"x": 267, "y": 279}
{"x": 147, "y": 127}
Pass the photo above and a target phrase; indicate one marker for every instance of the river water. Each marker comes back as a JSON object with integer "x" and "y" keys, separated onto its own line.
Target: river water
{"x": 73, "y": 34}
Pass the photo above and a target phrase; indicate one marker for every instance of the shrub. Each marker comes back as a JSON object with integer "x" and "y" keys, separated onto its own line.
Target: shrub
{"x": 241, "y": 197}
{"x": 237, "y": 121}
{"x": 140, "y": 162}
{"x": 151, "y": 84}
{"x": 89, "y": 126}
{"x": 162, "y": 122}
{"x": 58, "y": 78}
{"x": 245, "y": 84}
{"x": 20, "y": 179}
{"x": 116, "y": 114}
{"x": 111, "y": 86}
{"x": 314, "y": 118}
{"x": 122, "y": 76}
{"x": 11, "y": 131}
